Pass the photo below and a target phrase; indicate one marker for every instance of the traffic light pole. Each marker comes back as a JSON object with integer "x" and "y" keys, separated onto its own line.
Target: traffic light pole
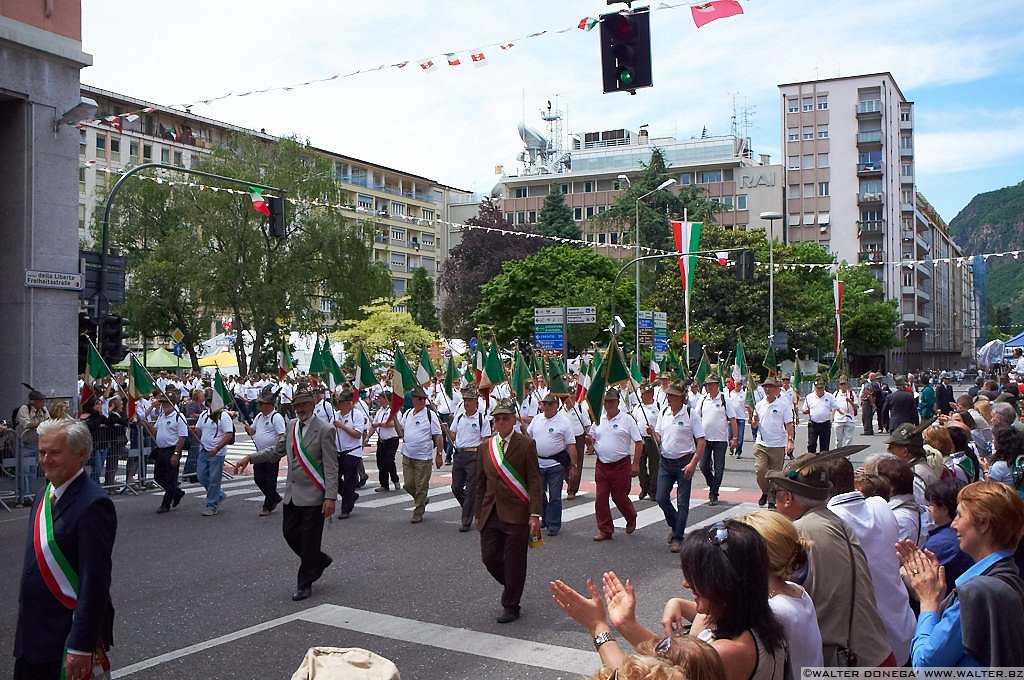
{"x": 105, "y": 238}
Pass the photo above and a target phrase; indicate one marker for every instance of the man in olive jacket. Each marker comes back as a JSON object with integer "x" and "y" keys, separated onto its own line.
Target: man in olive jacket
{"x": 311, "y": 488}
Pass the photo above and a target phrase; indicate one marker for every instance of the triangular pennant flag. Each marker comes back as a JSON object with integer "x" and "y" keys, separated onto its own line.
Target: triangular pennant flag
{"x": 316, "y": 360}
{"x": 493, "y": 371}
{"x": 95, "y": 366}
{"x": 520, "y": 376}
{"x": 402, "y": 380}
{"x": 284, "y": 364}
{"x": 770, "y": 361}
{"x": 450, "y": 374}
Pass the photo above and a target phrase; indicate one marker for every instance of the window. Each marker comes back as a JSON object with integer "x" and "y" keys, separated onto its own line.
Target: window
{"x": 521, "y": 217}
{"x": 792, "y": 105}
{"x": 81, "y": 216}
{"x": 365, "y": 202}
{"x": 81, "y": 180}
{"x": 614, "y": 237}
{"x": 906, "y": 169}
{"x": 741, "y": 201}
{"x": 905, "y": 142}
{"x": 133, "y": 152}
{"x": 521, "y": 192}
{"x": 908, "y": 280}
{"x": 398, "y": 286}
{"x": 794, "y": 191}
{"x": 397, "y": 260}
{"x": 809, "y": 190}
{"x": 822, "y": 102}
{"x": 325, "y": 306}
{"x": 81, "y": 143}
{"x": 177, "y": 158}
{"x": 793, "y": 162}
{"x": 808, "y": 104}
{"x": 115, "y": 150}
{"x": 397, "y": 234}
{"x": 590, "y": 211}
{"x": 165, "y": 155}
{"x": 727, "y": 201}
{"x": 428, "y": 239}
{"x": 428, "y": 214}
{"x": 808, "y": 132}
{"x": 823, "y": 188}
{"x": 823, "y": 132}
{"x": 907, "y": 196}
{"x": 822, "y": 160}
{"x": 397, "y": 208}
{"x": 588, "y": 187}
{"x": 147, "y": 152}
{"x": 565, "y": 188}
{"x": 601, "y": 209}
{"x": 904, "y": 116}
{"x": 808, "y": 161}
{"x": 709, "y": 176}
{"x": 577, "y": 214}
{"x": 101, "y": 146}
{"x": 602, "y": 238}
{"x": 686, "y": 178}
{"x": 532, "y": 217}
{"x": 793, "y": 134}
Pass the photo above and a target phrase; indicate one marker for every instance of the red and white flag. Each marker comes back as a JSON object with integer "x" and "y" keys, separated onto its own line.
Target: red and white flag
{"x": 452, "y": 59}
{"x": 428, "y": 65}
{"x": 478, "y": 58}
{"x": 723, "y": 257}
{"x": 718, "y": 9}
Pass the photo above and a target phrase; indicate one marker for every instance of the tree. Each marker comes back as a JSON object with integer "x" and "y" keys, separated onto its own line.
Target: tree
{"x": 421, "y": 300}
{"x": 554, "y": 277}
{"x": 381, "y": 328}
{"x": 474, "y": 262}
{"x": 556, "y": 217}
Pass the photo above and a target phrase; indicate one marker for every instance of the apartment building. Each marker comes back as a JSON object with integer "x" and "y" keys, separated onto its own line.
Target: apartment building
{"x": 849, "y": 186}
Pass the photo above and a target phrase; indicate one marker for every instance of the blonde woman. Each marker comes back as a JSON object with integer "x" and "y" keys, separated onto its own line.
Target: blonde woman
{"x": 789, "y": 602}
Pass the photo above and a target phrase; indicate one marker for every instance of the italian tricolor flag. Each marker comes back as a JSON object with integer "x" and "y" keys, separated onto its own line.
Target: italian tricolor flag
{"x": 259, "y": 204}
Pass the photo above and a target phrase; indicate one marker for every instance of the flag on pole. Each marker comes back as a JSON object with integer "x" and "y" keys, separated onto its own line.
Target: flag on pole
{"x": 451, "y": 371}
{"x": 479, "y": 366}
{"x": 402, "y": 380}
{"x": 469, "y": 376}
{"x": 740, "y": 367}
{"x": 140, "y": 383}
{"x": 798, "y": 374}
{"x": 703, "y": 368}
{"x": 634, "y": 372}
{"x": 520, "y": 375}
{"x": 687, "y": 238}
{"x": 316, "y": 361}
{"x": 365, "y": 376}
{"x": 770, "y": 361}
{"x": 654, "y": 370}
{"x": 222, "y": 397}
{"x": 96, "y": 367}
{"x": 284, "y": 364}
{"x": 707, "y": 12}
{"x": 425, "y": 369}
{"x": 837, "y": 365}
{"x": 335, "y": 376}
{"x": 492, "y": 371}
{"x": 837, "y": 294}
{"x": 556, "y": 378}
{"x": 259, "y": 204}
{"x": 612, "y": 371}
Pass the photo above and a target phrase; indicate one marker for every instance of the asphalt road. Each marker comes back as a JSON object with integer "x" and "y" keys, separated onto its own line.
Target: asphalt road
{"x": 209, "y": 597}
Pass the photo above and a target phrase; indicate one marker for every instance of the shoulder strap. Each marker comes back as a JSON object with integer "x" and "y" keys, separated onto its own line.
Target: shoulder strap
{"x": 480, "y": 421}
{"x": 853, "y": 587}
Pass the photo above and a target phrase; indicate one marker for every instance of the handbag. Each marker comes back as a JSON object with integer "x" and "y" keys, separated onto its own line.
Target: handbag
{"x": 563, "y": 458}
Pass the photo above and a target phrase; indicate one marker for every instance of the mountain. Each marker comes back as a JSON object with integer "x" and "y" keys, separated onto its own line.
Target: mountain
{"x": 993, "y": 222}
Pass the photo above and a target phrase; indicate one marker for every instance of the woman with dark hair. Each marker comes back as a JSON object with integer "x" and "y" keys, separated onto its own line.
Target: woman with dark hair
{"x": 981, "y": 442}
{"x": 964, "y": 460}
{"x": 942, "y": 541}
{"x": 1008, "y": 444}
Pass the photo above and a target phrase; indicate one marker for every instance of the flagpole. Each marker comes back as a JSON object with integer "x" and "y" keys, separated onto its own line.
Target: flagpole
{"x": 686, "y": 297}
{"x": 109, "y": 372}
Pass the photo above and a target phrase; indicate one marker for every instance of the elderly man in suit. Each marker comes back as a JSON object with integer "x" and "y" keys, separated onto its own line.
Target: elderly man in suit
{"x": 65, "y": 615}
{"x": 310, "y": 490}
{"x": 508, "y": 505}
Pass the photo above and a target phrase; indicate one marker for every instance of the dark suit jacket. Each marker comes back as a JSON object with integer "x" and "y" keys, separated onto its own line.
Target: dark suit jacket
{"x": 493, "y": 492}
{"x": 84, "y": 526}
{"x": 902, "y": 408}
{"x": 943, "y": 395}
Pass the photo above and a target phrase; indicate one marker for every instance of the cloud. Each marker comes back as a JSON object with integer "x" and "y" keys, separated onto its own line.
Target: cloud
{"x": 995, "y": 138}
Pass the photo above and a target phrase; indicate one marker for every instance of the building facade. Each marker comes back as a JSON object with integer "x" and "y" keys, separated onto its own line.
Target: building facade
{"x": 849, "y": 186}
{"x": 40, "y": 60}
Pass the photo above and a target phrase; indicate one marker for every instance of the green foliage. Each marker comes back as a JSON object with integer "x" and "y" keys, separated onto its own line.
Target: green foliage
{"x": 381, "y": 328}
{"x": 556, "y": 276}
{"x": 421, "y": 300}
{"x": 555, "y": 217}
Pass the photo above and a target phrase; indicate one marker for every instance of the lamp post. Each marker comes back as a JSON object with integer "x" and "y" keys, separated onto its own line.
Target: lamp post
{"x": 771, "y": 217}
{"x": 636, "y": 237}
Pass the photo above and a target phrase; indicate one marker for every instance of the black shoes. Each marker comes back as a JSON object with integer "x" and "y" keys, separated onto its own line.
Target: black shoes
{"x": 463, "y": 528}
{"x": 508, "y": 616}
{"x": 177, "y": 498}
{"x": 162, "y": 509}
{"x": 302, "y": 594}
{"x": 326, "y": 564}
{"x": 762, "y": 500}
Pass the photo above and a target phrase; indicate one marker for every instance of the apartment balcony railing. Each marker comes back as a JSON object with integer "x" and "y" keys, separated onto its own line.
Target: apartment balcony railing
{"x": 870, "y": 137}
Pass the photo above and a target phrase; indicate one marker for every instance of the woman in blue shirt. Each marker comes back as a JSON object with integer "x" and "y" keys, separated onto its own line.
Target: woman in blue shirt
{"x": 961, "y": 628}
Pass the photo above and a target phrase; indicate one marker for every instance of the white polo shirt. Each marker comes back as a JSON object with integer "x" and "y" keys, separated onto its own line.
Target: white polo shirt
{"x": 847, "y": 401}
{"x": 469, "y": 430}
{"x": 679, "y": 432}
{"x": 325, "y": 411}
{"x": 355, "y": 419}
{"x": 268, "y": 430}
{"x": 552, "y": 435}
{"x": 773, "y": 417}
{"x": 419, "y": 429}
{"x": 169, "y": 428}
{"x": 821, "y": 408}
{"x": 644, "y": 415}
{"x": 615, "y": 438}
{"x": 383, "y": 415}
{"x": 285, "y": 394}
{"x": 714, "y": 415}
{"x": 578, "y": 418}
{"x": 212, "y": 429}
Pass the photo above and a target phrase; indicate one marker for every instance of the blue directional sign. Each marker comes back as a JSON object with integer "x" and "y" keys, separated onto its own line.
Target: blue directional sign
{"x": 551, "y": 340}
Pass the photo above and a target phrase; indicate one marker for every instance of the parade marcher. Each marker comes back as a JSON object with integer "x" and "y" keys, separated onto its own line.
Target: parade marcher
{"x": 867, "y": 404}
{"x": 617, "y": 443}
{"x": 838, "y": 577}
{"x": 324, "y": 409}
{"x": 267, "y": 430}
{"x": 738, "y": 398}
{"x": 788, "y": 392}
{"x": 214, "y": 431}
{"x": 468, "y": 429}
{"x": 944, "y": 399}
{"x": 169, "y": 431}
{"x": 26, "y": 421}
{"x": 65, "y": 614}
{"x": 529, "y": 408}
{"x": 420, "y": 429}
{"x": 578, "y": 417}
{"x": 284, "y": 395}
{"x": 507, "y": 506}
{"x": 646, "y": 413}
{"x": 844, "y": 419}
{"x": 310, "y": 490}
{"x": 350, "y": 425}
{"x": 444, "y": 408}
{"x": 680, "y": 436}
{"x": 720, "y": 432}
{"x": 387, "y": 442}
{"x": 819, "y": 407}
{"x": 774, "y": 422}
{"x": 557, "y": 456}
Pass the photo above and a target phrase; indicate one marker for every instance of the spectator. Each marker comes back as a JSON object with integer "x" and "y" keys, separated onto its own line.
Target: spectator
{"x": 1009, "y": 445}
{"x": 964, "y": 461}
{"x": 1003, "y": 413}
{"x": 98, "y": 424}
{"x": 26, "y": 421}
{"x": 942, "y": 540}
{"x": 902, "y": 501}
{"x": 982, "y": 441}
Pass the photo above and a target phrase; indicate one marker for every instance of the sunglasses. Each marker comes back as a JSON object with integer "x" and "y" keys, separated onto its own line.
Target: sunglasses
{"x": 718, "y": 535}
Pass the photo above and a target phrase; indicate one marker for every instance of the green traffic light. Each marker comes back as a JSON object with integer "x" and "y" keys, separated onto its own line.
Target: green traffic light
{"x": 625, "y": 77}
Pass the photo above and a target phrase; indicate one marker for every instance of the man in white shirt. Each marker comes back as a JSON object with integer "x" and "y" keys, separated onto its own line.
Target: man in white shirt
{"x": 578, "y": 417}
{"x": 324, "y": 410}
{"x": 773, "y": 418}
{"x": 789, "y": 393}
{"x": 214, "y": 431}
{"x": 444, "y": 408}
{"x": 646, "y": 413}
{"x": 467, "y": 430}
{"x": 693, "y": 395}
{"x": 267, "y": 430}
{"x": 617, "y": 443}
{"x": 555, "y": 445}
{"x": 169, "y": 431}
{"x": 738, "y": 398}
{"x": 420, "y": 429}
{"x": 350, "y": 425}
{"x": 530, "y": 406}
{"x": 664, "y": 380}
{"x": 844, "y": 419}
{"x": 819, "y": 407}
{"x": 680, "y": 434}
{"x": 284, "y": 395}
{"x": 387, "y": 442}
{"x": 720, "y": 431}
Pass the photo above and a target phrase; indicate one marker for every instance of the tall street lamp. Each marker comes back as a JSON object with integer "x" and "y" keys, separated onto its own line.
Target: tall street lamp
{"x": 771, "y": 217}
{"x": 636, "y": 237}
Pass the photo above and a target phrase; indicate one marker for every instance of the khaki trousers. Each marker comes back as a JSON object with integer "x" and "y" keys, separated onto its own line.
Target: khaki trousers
{"x": 767, "y": 458}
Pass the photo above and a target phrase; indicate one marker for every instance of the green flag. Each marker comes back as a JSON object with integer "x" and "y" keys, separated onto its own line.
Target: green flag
{"x": 316, "y": 361}
{"x": 751, "y": 387}
{"x": 598, "y": 386}
{"x": 520, "y": 376}
{"x": 221, "y": 395}
{"x": 140, "y": 382}
{"x": 494, "y": 372}
{"x": 284, "y": 361}
{"x": 634, "y": 371}
{"x": 425, "y": 369}
{"x": 365, "y": 375}
{"x": 96, "y": 367}
{"x": 837, "y": 364}
{"x": 703, "y": 368}
{"x": 331, "y": 368}
{"x": 770, "y": 361}
{"x": 615, "y": 369}
{"x": 556, "y": 380}
{"x": 451, "y": 370}
{"x": 798, "y": 375}
{"x": 402, "y": 380}
{"x": 741, "y": 359}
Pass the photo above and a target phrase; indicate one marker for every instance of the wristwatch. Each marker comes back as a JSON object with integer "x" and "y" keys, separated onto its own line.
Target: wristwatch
{"x": 602, "y": 638}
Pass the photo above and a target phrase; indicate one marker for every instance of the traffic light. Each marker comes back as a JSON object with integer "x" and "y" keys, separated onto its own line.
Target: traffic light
{"x": 626, "y": 50}
{"x": 277, "y": 224}
{"x": 745, "y": 265}
{"x": 112, "y": 335}
{"x": 86, "y": 329}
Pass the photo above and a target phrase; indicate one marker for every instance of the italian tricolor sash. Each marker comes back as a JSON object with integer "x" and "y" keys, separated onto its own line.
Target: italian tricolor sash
{"x": 310, "y": 466}
{"x": 505, "y": 470}
{"x": 57, "y": 572}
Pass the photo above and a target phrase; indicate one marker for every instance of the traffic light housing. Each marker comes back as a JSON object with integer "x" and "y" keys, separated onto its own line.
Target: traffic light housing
{"x": 626, "y": 50}
{"x": 277, "y": 221}
{"x": 86, "y": 329}
{"x": 111, "y": 340}
{"x": 745, "y": 265}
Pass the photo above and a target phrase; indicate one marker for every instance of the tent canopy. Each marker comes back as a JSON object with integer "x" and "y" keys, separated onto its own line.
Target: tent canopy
{"x": 220, "y": 359}
{"x": 159, "y": 358}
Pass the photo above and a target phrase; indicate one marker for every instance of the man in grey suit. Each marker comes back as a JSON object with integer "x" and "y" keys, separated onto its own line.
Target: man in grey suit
{"x": 310, "y": 490}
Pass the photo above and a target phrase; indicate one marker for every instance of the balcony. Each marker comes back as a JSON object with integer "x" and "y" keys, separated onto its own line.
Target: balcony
{"x": 909, "y": 291}
{"x": 873, "y": 197}
{"x": 869, "y": 137}
{"x": 907, "y": 179}
{"x": 871, "y": 256}
{"x": 906, "y": 151}
{"x": 379, "y": 238}
{"x": 867, "y": 169}
{"x": 869, "y": 108}
{"x": 871, "y": 226}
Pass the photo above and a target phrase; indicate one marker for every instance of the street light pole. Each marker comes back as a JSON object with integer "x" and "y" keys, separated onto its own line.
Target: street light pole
{"x": 636, "y": 237}
{"x": 771, "y": 217}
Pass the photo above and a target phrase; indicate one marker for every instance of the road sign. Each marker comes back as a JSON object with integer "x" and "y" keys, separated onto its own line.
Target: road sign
{"x": 660, "y": 320}
{"x": 578, "y": 311}
{"x": 90, "y": 264}
{"x": 550, "y": 340}
{"x": 177, "y": 335}
{"x": 547, "y": 328}
{"x": 38, "y": 279}
{"x": 551, "y": 313}
{"x": 582, "y": 318}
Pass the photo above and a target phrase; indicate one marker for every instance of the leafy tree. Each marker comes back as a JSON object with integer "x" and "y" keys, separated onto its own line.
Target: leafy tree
{"x": 474, "y": 262}
{"x": 421, "y": 300}
{"x": 556, "y": 217}
{"x": 554, "y": 277}
{"x": 381, "y": 328}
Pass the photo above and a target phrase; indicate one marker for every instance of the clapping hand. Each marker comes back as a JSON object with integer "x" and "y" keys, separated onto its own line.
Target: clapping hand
{"x": 620, "y": 599}
{"x": 587, "y": 611}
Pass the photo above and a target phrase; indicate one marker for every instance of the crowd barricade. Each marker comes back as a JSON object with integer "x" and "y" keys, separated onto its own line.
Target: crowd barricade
{"x": 119, "y": 461}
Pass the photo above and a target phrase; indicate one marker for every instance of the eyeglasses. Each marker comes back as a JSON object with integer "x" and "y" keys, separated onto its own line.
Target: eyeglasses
{"x": 718, "y": 534}
{"x": 661, "y": 649}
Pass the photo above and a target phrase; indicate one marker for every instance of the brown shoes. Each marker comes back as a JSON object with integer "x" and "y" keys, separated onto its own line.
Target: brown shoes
{"x": 417, "y": 516}
{"x": 631, "y": 526}
{"x": 603, "y": 537}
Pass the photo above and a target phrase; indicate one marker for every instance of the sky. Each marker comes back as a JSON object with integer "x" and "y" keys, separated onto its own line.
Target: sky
{"x": 962, "y": 64}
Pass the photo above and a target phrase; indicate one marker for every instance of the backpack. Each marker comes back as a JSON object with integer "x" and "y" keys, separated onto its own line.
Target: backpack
{"x": 1018, "y": 474}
